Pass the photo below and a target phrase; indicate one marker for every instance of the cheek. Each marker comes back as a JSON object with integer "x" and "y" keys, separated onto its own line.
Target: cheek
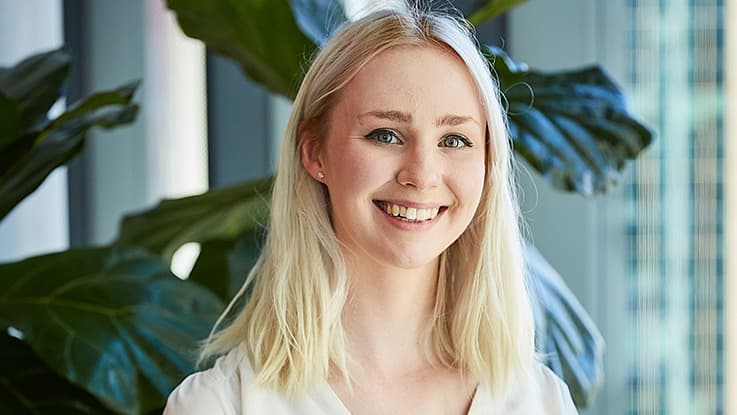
{"x": 357, "y": 171}
{"x": 358, "y": 168}
{"x": 469, "y": 180}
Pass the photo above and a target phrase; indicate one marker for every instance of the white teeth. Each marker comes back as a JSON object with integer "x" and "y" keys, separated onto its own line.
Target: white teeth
{"x": 423, "y": 214}
{"x": 410, "y": 213}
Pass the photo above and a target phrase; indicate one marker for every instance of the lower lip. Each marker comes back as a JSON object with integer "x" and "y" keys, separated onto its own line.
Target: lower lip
{"x": 407, "y": 225}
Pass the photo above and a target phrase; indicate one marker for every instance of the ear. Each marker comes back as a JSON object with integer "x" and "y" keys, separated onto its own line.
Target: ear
{"x": 312, "y": 158}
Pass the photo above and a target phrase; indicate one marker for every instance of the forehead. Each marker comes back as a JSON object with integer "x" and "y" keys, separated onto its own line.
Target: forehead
{"x": 418, "y": 79}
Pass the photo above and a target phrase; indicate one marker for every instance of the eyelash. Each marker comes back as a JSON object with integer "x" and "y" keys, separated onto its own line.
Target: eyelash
{"x": 374, "y": 135}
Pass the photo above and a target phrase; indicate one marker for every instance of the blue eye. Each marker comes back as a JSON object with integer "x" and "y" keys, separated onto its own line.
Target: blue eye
{"x": 384, "y": 136}
{"x": 455, "y": 141}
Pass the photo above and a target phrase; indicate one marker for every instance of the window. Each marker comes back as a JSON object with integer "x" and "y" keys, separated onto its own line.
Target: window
{"x": 676, "y": 233}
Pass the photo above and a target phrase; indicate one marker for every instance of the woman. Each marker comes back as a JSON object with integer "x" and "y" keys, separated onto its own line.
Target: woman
{"x": 391, "y": 280}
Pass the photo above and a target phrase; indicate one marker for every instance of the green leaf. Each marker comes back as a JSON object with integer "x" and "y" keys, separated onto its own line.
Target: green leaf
{"x": 17, "y": 150}
{"x": 228, "y": 223}
{"x": 262, "y": 36}
{"x": 490, "y": 9}
{"x": 34, "y": 84}
{"x": 573, "y": 127}
{"x": 29, "y": 386}
{"x": 224, "y": 264}
{"x": 121, "y": 96}
{"x": 571, "y": 343}
{"x": 10, "y": 121}
{"x": 61, "y": 140}
{"x": 113, "y": 321}
{"x": 211, "y": 269}
{"x": 218, "y": 214}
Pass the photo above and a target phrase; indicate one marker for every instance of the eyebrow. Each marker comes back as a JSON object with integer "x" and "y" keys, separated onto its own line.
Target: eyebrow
{"x": 453, "y": 120}
{"x": 406, "y": 118}
{"x": 397, "y": 116}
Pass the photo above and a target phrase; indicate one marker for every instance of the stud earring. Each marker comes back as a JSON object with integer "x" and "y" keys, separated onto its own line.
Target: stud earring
{"x": 320, "y": 175}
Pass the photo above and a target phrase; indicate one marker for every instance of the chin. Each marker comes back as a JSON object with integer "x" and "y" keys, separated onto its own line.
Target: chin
{"x": 410, "y": 260}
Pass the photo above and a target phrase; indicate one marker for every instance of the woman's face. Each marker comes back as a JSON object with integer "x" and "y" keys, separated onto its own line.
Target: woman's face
{"x": 404, "y": 159}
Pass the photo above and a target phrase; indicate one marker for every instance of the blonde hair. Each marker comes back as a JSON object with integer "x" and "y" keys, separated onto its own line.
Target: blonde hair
{"x": 291, "y": 327}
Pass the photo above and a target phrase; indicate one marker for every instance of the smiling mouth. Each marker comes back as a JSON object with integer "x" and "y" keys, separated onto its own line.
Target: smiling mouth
{"x": 409, "y": 214}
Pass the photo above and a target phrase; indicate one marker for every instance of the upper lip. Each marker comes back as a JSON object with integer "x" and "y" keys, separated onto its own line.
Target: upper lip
{"x": 411, "y": 204}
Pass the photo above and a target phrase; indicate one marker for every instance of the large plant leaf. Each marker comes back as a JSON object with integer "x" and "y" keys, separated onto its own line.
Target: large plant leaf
{"x": 571, "y": 343}
{"x": 573, "y": 127}
{"x": 11, "y": 124}
{"x": 34, "y": 157}
{"x": 485, "y": 9}
{"x": 113, "y": 321}
{"x": 20, "y": 147}
{"x": 262, "y": 36}
{"x": 218, "y": 214}
{"x": 29, "y": 387}
{"x": 102, "y": 100}
{"x": 318, "y": 19}
{"x": 34, "y": 84}
{"x": 224, "y": 264}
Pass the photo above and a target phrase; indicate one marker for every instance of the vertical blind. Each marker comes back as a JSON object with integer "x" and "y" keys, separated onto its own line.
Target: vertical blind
{"x": 676, "y": 273}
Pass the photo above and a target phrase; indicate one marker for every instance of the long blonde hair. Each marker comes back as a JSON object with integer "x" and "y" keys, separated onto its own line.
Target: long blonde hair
{"x": 291, "y": 326}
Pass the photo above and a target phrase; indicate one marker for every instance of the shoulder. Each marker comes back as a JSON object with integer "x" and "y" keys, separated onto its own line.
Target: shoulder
{"x": 542, "y": 393}
{"x": 214, "y": 391}
{"x": 553, "y": 392}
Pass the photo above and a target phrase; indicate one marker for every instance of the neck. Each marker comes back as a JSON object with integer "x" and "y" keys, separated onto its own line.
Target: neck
{"x": 387, "y": 316}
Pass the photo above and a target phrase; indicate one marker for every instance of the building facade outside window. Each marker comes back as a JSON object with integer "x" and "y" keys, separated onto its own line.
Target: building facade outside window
{"x": 676, "y": 267}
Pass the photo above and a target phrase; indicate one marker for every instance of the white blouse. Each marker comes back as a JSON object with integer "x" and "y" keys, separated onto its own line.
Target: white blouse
{"x": 229, "y": 388}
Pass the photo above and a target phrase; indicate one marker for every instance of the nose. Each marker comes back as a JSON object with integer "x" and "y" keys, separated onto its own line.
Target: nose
{"x": 420, "y": 168}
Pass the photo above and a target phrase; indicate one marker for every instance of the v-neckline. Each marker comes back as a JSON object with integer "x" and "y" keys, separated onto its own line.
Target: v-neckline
{"x": 336, "y": 404}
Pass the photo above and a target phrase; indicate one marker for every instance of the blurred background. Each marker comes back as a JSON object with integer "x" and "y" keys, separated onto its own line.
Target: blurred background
{"x": 649, "y": 260}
